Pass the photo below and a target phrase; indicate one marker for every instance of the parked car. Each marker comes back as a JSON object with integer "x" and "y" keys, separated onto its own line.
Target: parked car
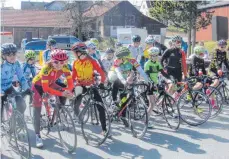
{"x": 24, "y": 42}
{"x": 64, "y": 42}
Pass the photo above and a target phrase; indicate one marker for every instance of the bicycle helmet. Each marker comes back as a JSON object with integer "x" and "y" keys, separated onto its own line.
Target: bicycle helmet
{"x": 91, "y": 45}
{"x": 109, "y": 50}
{"x": 149, "y": 40}
{"x": 8, "y": 48}
{"x": 222, "y": 43}
{"x": 118, "y": 44}
{"x": 30, "y": 54}
{"x": 95, "y": 41}
{"x": 154, "y": 51}
{"x": 199, "y": 50}
{"x": 177, "y": 38}
{"x": 136, "y": 38}
{"x": 79, "y": 47}
{"x": 59, "y": 55}
{"x": 51, "y": 42}
{"x": 122, "y": 52}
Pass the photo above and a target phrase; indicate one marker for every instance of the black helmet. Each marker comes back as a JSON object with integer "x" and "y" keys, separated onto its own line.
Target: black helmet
{"x": 136, "y": 38}
{"x": 109, "y": 50}
{"x": 8, "y": 48}
{"x": 118, "y": 44}
{"x": 51, "y": 42}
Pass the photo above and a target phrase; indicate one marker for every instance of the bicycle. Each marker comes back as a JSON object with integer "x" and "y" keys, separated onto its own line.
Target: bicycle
{"x": 91, "y": 132}
{"x": 56, "y": 115}
{"x": 192, "y": 100}
{"x": 14, "y": 127}
{"x": 135, "y": 109}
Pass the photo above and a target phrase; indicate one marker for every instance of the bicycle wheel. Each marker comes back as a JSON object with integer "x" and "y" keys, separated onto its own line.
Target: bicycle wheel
{"x": 171, "y": 112}
{"x": 66, "y": 129}
{"x": 216, "y": 101}
{"x": 93, "y": 133}
{"x": 45, "y": 121}
{"x": 195, "y": 111}
{"x": 157, "y": 110}
{"x": 21, "y": 135}
{"x": 225, "y": 93}
{"x": 138, "y": 117}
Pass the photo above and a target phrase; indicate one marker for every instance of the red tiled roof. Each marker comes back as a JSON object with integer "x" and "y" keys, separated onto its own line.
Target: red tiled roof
{"x": 33, "y": 18}
{"x": 99, "y": 10}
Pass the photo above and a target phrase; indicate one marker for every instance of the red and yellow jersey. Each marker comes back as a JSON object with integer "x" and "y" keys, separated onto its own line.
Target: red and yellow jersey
{"x": 48, "y": 76}
{"x": 83, "y": 71}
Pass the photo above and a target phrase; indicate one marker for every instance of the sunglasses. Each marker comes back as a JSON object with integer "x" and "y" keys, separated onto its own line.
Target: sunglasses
{"x": 223, "y": 47}
{"x": 59, "y": 62}
{"x": 10, "y": 55}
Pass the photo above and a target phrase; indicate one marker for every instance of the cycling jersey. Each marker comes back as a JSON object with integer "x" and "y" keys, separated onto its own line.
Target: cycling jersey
{"x": 96, "y": 55}
{"x": 136, "y": 52}
{"x": 8, "y": 71}
{"x": 195, "y": 65}
{"x": 152, "y": 69}
{"x": 176, "y": 60}
{"x": 28, "y": 70}
{"x": 83, "y": 71}
{"x": 123, "y": 70}
{"x": 146, "y": 52}
{"x": 107, "y": 64}
{"x": 219, "y": 58}
{"x": 46, "y": 55}
{"x": 48, "y": 76}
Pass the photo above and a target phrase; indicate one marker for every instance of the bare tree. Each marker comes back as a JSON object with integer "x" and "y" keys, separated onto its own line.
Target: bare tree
{"x": 83, "y": 14}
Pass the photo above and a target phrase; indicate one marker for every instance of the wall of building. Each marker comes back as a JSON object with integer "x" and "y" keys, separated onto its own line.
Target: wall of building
{"x": 205, "y": 34}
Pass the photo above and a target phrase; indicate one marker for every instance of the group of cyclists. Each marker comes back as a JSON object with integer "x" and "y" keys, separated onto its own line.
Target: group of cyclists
{"x": 118, "y": 66}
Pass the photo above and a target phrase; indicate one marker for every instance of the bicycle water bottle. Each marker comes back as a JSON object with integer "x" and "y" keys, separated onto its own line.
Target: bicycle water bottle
{"x": 123, "y": 100}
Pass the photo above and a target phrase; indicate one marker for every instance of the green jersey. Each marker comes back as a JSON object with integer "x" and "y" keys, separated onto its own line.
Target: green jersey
{"x": 152, "y": 69}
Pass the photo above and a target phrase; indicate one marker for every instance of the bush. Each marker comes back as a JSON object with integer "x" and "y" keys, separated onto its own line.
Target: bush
{"x": 105, "y": 43}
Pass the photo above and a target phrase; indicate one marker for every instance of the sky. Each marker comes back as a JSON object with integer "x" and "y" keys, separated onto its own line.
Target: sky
{"x": 17, "y": 3}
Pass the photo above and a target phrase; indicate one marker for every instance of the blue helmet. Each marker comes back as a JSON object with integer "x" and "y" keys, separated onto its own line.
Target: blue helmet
{"x": 90, "y": 45}
{"x": 8, "y": 48}
{"x": 51, "y": 42}
{"x": 136, "y": 38}
{"x": 222, "y": 43}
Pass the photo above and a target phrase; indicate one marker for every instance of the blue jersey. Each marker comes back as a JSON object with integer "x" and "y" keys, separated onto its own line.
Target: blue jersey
{"x": 28, "y": 71}
{"x": 46, "y": 55}
{"x": 7, "y": 74}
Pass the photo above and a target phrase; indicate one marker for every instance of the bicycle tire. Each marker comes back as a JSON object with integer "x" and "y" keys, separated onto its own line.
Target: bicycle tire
{"x": 68, "y": 118}
{"x": 216, "y": 100}
{"x": 193, "y": 107}
{"x": 85, "y": 131}
{"x": 172, "y": 110}
{"x": 136, "y": 117}
{"x": 20, "y": 126}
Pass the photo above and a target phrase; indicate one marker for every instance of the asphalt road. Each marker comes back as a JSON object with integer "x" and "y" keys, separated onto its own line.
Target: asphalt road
{"x": 210, "y": 141}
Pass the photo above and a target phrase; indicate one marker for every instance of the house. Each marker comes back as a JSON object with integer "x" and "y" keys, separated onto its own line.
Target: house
{"x": 39, "y": 23}
{"x": 220, "y": 8}
{"x": 120, "y": 14}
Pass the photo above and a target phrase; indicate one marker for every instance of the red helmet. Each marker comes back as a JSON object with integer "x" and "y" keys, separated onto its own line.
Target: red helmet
{"x": 59, "y": 55}
{"x": 79, "y": 47}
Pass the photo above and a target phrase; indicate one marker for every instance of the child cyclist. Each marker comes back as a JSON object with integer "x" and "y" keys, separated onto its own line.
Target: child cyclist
{"x": 149, "y": 44}
{"x": 108, "y": 59}
{"x": 83, "y": 74}
{"x": 50, "y": 45}
{"x": 45, "y": 81}
{"x": 123, "y": 68}
{"x": 153, "y": 68}
{"x": 197, "y": 65}
{"x": 219, "y": 58}
{"x": 9, "y": 67}
{"x": 136, "y": 50}
{"x": 28, "y": 68}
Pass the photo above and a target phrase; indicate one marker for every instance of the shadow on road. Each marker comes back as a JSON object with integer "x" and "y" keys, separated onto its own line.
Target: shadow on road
{"x": 127, "y": 150}
{"x": 173, "y": 143}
